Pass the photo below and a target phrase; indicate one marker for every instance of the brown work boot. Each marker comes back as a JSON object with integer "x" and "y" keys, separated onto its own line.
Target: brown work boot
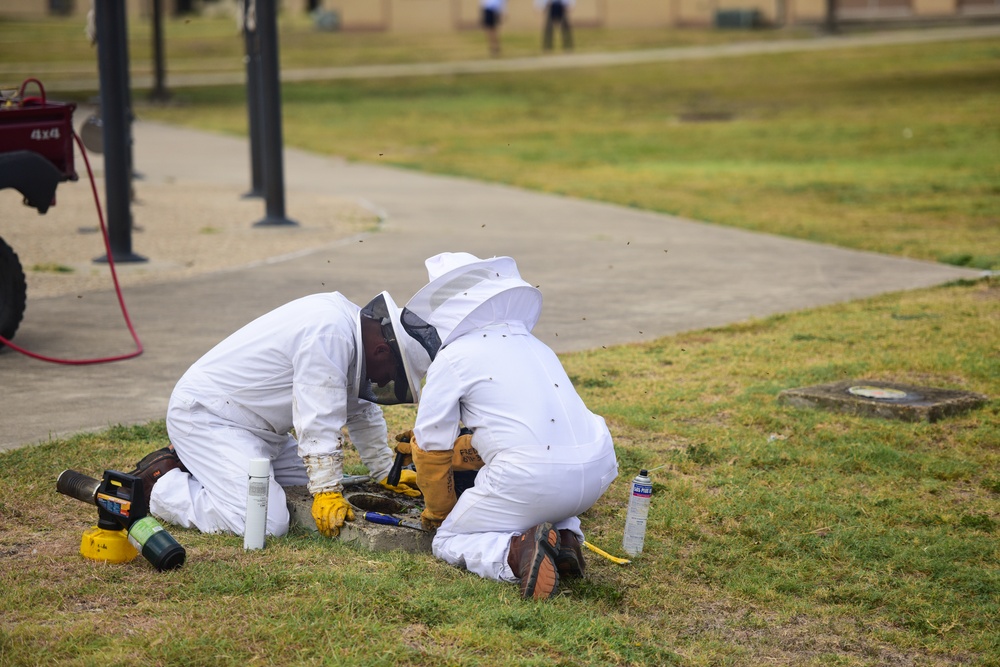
{"x": 155, "y": 465}
{"x": 569, "y": 561}
{"x": 532, "y": 557}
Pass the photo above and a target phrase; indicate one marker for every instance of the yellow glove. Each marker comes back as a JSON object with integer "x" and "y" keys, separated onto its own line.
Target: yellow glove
{"x": 436, "y": 479}
{"x": 407, "y": 483}
{"x": 330, "y": 510}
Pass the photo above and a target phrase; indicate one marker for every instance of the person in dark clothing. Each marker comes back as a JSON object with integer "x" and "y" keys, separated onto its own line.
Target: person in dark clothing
{"x": 556, "y": 12}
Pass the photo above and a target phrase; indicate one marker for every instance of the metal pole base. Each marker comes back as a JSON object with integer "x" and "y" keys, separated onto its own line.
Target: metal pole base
{"x": 121, "y": 258}
{"x": 275, "y": 221}
{"x": 160, "y": 96}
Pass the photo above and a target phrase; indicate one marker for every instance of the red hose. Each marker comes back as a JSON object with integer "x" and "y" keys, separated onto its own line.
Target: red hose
{"x": 114, "y": 278}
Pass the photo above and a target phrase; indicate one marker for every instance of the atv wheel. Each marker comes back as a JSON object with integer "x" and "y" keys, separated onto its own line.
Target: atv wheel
{"x": 13, "y": 291}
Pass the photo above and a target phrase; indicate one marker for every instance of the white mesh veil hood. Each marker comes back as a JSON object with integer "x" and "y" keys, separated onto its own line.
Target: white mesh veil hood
{"x": 467, "y": 293}
{"x": 414, "y": 344}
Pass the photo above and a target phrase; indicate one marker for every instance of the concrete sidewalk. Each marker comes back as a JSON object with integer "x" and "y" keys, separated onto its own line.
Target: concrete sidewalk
{"x": 610, "y": 275}
{"x": 141, "y": 80}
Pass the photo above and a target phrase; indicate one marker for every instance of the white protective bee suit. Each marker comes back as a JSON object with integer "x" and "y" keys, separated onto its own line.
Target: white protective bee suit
{"x": 546, "y": 456}
{"x": 297, "y": 367}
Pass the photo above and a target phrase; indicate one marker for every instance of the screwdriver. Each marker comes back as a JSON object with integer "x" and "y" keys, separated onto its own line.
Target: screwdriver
{"x": 389, "y": 520}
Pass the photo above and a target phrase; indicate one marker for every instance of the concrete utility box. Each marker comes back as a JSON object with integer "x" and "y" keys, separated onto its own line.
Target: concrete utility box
{"x": 887, "y": 400}
{"x": 368, "y": 497}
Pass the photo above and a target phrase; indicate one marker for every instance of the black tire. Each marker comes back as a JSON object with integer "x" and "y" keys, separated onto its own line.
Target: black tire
{"x": 13, "y": 292}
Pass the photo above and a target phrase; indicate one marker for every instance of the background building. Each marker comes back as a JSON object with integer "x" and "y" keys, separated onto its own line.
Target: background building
{"x": 435, "y": 16}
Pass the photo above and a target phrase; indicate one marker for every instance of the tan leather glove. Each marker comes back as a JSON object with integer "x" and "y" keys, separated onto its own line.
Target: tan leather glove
{"x": 330, "y": 510}
{"x": 436, "y": 479}
{"x": 466, "y": 457}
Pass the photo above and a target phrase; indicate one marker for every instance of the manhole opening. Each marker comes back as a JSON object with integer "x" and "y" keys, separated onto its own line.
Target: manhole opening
{"x": 370, "y": 502}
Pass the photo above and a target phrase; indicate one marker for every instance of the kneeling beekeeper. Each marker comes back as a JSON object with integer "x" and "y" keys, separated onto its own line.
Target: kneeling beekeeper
{"x": 545, "y": 457}
{"x": 315, "y": 365}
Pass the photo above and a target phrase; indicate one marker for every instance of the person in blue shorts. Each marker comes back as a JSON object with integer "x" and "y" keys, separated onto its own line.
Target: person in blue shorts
{"x": 492, "y": 17}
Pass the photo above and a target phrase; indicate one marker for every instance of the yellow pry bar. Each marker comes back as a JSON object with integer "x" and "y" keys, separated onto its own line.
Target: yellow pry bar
{"x": 602, "y": 552}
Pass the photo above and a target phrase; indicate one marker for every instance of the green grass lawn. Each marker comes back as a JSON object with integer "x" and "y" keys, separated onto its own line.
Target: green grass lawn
{"x": 199, "y": 43}
{"x": 897, "y": 145}
{"x": 776, "y": 535}
{"x": 884, "y": 149}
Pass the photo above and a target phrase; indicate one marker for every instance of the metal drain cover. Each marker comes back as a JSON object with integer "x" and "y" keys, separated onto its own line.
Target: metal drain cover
{"x": 886, "y": 400}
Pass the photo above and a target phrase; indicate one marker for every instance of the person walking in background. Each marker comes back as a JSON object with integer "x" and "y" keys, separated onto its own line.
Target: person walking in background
{"x": 492, "y": 16}
{"x": 556, "y": 11}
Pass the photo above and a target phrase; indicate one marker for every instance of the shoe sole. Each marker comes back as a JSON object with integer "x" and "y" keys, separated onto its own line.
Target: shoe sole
{"x": 568, "y": 565}
{"x": 543, "y": 579}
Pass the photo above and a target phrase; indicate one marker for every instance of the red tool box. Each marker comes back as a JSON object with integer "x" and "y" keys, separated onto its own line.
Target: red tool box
{"x": 35, "y": 124}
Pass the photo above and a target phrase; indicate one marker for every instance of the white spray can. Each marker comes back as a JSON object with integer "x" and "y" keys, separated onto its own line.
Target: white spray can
{"x": 257, "y": 486}
{"x": 638, "y": 510}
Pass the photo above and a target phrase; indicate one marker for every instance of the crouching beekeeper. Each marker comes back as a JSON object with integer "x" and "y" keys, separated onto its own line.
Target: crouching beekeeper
{"x": 315, "y": 365}
{"x": 543, "y": 457}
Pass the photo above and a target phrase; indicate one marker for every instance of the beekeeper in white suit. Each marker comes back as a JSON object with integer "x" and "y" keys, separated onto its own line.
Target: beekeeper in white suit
{"x": 545, "y": 457}
{"x": 314, "y": 365}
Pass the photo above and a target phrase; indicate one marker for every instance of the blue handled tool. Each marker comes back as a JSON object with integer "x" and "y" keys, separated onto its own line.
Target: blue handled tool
{"x": 389, "y": 520}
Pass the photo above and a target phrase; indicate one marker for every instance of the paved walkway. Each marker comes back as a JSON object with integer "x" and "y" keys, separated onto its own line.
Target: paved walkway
{"x": 561, "y": 61}
{"x": 610, "y": 275}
